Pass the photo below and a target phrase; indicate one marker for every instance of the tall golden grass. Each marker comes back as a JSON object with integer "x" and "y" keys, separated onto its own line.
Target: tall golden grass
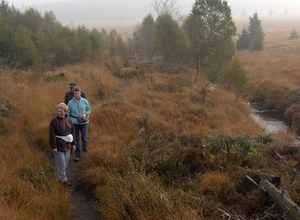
{"x": 278, "y": 64}
{"x": 28, "y": 186}
{"x": 125, "y": 113}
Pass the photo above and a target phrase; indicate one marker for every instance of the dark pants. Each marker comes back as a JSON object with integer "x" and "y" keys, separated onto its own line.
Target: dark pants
{"x": 81, "y": 131}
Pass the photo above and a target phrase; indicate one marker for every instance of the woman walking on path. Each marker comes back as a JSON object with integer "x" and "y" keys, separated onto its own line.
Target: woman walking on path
{"x": 79, "y": 110}
{"x": 61, "y": 133}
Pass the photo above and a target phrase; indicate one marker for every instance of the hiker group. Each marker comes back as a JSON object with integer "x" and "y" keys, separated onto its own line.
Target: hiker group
{"x": 68, "y": 130}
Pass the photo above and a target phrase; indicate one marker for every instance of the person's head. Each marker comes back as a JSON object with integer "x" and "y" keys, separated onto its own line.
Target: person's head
{"x": 72, "y": 86}
{"x": 77, "y": 93}
{"x": 62, "y": 109}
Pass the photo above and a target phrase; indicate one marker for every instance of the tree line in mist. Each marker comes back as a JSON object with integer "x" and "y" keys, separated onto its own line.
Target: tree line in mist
{"x": 203, "y": 40}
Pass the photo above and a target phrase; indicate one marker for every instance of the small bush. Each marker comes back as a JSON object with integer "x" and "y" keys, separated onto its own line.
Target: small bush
{"x": 218, "y": 185}
{"x": 235, "y": 80}
{"x": 129, "y": 73}
{"x": 294, "y": 34}
{"x": 292, "y": 117}
{"x": 114, "y": 65}
{"x": 269, "y": 94}
{"x": 293, "y": 97}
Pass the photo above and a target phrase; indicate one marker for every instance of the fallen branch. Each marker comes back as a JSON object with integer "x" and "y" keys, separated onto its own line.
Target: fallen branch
{"x": 270, "y": 177}
{"x": 281, "y": 158}
{"x": 282, "y": 198}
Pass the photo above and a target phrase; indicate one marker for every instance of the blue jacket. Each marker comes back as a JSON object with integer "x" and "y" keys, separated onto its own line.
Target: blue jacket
{"x": 77, "y": 109}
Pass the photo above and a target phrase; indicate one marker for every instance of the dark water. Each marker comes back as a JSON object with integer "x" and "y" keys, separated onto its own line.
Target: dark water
{"x": 271, "y": 121}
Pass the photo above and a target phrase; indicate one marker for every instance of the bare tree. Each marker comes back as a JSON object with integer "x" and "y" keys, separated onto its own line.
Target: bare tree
{"x": 162, "y": 7}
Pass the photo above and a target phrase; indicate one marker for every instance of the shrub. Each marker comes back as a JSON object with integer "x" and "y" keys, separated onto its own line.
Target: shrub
{"x": 293, "y": 97}
{"x": 269, "y": 94}
{"x": 219, "y": 186}
{"x": 292, "y": 117}
{"x": 129, "y": 73}
{"x": 235, "y": 80}
{"x": 294, "y": 34}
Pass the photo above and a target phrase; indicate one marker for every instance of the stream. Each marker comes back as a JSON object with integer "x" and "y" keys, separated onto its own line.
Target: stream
{"x": 270, "y": 120}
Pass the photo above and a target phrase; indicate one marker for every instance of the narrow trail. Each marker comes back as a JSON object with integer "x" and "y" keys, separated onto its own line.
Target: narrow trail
{"x": 81, "y": 200}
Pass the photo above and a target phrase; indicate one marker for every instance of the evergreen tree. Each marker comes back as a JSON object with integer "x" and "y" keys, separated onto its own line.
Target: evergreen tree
{"x": 43, "y": 47}
{"x": 6, "y": 40}
{"x": 63, "y": 47}
{"x": 170, "y": 39}
{"x": 97, "y": 45}
{"x": 146, "y": 33}
{"x": 235, "y": 80}
{"x": 115, "y": 45}
{"x": 271, "y": 12}
{"x": 24, "y": 47}
{"x": 32, "y": 20}
{"x": 210, "y": 30}
{"x": 103, "y": 33}
{"x": 243, "y": 42}
{"x": 294, "y": 34}
{"x": 243, "y": 13}
{"x": 256, "y": 33}
{"x": 121, "y": 47}
{"x": 81, "y": 44}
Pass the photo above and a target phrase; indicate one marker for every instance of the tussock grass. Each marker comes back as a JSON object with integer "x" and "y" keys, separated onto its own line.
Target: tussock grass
{"x": 28, "y": 186}
{"x": 158, "y": 142}
{"x": 278, "y": 64}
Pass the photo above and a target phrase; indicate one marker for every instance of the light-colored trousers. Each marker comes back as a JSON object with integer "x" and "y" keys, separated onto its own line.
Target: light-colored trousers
{"x": 62, "y": 161}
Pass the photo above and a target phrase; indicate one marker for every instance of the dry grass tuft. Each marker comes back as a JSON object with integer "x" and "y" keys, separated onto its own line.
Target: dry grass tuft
{"x": 147, "y": 157}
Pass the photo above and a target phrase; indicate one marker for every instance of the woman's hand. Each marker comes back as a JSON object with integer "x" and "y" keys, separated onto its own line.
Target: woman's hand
{"x": 85, "y": 116}
{"x": 54, "y": 150}
{"x": 73, "y": 148}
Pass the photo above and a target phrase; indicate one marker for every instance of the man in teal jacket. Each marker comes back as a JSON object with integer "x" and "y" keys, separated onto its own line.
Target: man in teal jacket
{"x": 79, "y": 111}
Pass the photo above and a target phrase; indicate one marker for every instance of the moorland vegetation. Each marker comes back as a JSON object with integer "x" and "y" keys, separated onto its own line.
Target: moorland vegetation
{"x": 165, "y": 143}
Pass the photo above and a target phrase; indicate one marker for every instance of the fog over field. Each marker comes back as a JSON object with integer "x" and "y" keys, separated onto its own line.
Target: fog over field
{"x": 67, "y": 11}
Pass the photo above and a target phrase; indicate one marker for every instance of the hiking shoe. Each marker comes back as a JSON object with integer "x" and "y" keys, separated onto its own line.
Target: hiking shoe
{"x": 65, "y": 183}
{"x": 84, "y": 149}
{"x": 77, "y": 159}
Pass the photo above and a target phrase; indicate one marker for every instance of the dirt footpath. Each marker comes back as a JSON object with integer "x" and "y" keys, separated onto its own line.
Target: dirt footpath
{"x": 80, "y": 199}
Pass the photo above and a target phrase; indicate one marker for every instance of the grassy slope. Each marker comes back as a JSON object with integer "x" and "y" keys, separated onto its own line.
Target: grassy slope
{"x": 121, "y": 156}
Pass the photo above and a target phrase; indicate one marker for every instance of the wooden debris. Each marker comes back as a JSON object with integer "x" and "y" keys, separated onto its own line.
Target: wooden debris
{"x": 270, "y": 177}
{"x": 281, "y": 197}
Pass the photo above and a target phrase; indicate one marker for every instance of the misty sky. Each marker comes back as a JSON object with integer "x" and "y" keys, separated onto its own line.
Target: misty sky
{"x": 138, "y": 9}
